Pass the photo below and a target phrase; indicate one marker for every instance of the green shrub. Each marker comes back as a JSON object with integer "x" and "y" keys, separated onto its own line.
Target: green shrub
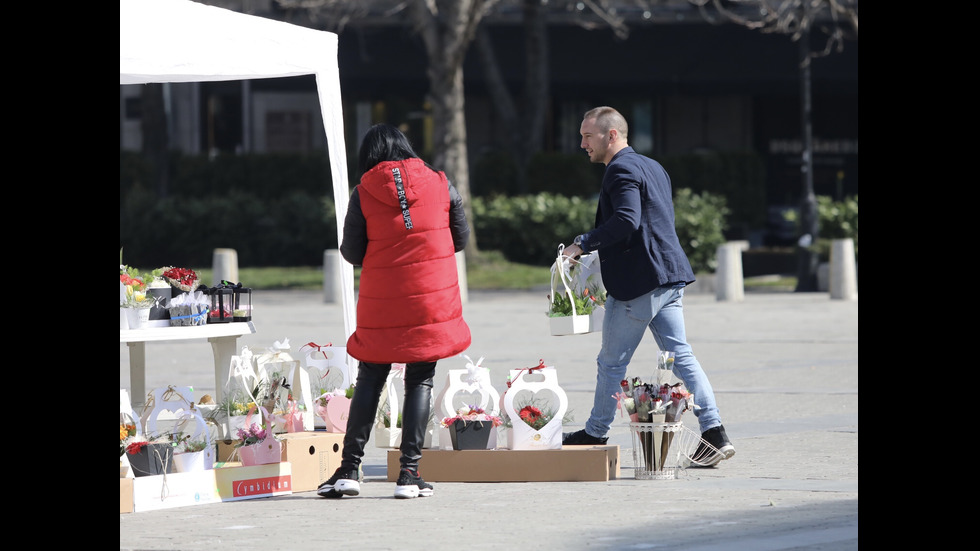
{"x": 837, "y": 220}
{"x": 292, "y": 230}
{"x": 528, "y": 229}
{"x": 701, "y": 220}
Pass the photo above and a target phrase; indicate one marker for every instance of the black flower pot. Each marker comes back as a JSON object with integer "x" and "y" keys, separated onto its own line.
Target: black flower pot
{"x": 470, "y": 435}
{"x": 152, "y": 459}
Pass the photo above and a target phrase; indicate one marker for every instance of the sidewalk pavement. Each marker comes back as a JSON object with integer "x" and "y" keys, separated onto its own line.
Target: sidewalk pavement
{"x": 784, "y": 368}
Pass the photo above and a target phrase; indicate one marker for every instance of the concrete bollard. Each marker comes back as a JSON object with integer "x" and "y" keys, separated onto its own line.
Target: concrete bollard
{"x": 224, "y": 266}
{"x": 729, "y": 284}
{"x": 464, "y": 294}
{"x": 332, "y": 291}
{"x": 843, "y": 270}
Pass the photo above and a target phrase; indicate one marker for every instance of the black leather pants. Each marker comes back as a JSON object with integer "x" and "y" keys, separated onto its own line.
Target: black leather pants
{"x": 364, "y": 407}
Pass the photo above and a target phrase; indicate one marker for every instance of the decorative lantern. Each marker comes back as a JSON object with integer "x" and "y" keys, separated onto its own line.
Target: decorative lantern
{"x": 221, "y": 304}
{"x": 242, "y": 302}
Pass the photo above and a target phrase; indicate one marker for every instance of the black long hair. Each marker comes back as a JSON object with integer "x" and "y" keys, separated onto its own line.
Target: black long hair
{"x": 383, "y": 142}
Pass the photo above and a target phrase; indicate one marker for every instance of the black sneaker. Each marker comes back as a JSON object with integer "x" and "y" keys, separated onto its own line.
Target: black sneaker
{"x": 581, "y": 438}
{"x": 411, "y": 485}
{"x": 714, "y": 447}
{"x": 342, "y": 483}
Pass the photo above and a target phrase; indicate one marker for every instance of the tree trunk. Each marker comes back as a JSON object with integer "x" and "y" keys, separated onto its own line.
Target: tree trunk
{"x": 537, "y": 79}
{"x": 447, "y": 28}
{"x": 156, "y": 139}
{"x": 530, "y": 123}
{"x": 808, "y": 258}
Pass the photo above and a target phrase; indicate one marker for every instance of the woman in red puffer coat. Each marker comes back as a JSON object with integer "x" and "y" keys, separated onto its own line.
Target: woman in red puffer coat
{"x": 404, "y": 224}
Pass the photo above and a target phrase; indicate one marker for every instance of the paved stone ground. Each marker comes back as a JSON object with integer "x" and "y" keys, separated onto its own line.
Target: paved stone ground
{"x": 784, "y": 367}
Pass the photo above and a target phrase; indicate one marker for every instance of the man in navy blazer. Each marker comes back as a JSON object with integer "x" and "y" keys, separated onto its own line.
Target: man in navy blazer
{"x": 644, "y": 270}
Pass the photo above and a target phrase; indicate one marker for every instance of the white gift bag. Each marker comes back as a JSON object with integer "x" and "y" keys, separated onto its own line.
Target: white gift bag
{"x": 391, "y": 436}
{"x": 574, "y": 283}
{"x": 302, "y": 392}
{"x": 328, "y": 370}
{"x": 537, "y": 379}
{"x": 474, "y": 379}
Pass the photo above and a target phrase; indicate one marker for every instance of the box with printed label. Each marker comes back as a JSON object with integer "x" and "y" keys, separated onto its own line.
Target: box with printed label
{"x": 314, "y": 455}
{"x": 236, "y": 483}
{"x": 568, "y": 464}
{"x": 164, "y": 491}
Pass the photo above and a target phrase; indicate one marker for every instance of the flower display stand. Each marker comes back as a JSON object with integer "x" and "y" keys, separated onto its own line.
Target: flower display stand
{"x": 661, "y": 450}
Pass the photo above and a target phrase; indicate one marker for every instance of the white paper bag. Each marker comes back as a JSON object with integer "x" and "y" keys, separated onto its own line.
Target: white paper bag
{"x": 328, "y": 369}
{"x": 185, "y": 417}
{"x": 302, "y": 392}
{"x": 521, "y": 435}
{"x": 390, "y": 436}
{"x": 475, "y": 380}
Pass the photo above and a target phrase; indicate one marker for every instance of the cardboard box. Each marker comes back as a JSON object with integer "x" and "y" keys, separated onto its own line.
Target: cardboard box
{"x": 164, "y": 491}
{"x": 570, "y": 463}
{"x": 125, "y": 495}
{"x": 314, "y": 456}
{"x": 236, "y": 483}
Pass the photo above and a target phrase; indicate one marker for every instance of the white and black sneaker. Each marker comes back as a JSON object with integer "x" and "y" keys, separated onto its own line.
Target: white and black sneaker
{"x": 410, "y": 484}
{"x": 342, "y": 483}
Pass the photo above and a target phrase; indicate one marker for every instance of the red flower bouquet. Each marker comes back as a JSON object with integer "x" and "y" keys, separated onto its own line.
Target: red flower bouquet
{"x": 184, "y": 279}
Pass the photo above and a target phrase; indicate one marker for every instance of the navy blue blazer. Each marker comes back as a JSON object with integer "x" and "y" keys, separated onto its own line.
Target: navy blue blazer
{"x": 634, "y": 228}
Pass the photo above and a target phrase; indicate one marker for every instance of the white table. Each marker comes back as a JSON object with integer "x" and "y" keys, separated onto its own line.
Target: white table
{"x": 222, "y": 336}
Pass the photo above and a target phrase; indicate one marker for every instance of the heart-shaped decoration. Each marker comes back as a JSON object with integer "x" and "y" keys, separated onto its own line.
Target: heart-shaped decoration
{"x": 335, "y": 414}
{"x": 466, "y": 387}
{"x": 540, "y": 386}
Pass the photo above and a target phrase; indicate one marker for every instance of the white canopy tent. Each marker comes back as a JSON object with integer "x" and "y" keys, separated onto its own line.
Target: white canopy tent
{"x": 184, "y": 41}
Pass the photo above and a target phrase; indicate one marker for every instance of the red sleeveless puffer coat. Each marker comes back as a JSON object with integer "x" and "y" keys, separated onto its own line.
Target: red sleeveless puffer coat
{"x": 408, "y": 307}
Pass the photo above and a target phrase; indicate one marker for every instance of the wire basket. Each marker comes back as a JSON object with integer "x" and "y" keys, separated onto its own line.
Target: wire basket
{"x": 660, "y": 450}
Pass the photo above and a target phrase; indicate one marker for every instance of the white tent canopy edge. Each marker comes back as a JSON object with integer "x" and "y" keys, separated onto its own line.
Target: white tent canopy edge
{"x": 184, "y": 41}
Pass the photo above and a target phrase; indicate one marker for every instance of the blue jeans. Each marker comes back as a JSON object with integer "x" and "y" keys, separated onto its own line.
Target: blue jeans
{"x": 622, "y": 329}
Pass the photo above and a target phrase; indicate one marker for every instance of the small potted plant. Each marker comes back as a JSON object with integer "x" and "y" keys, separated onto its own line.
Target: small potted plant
{"x": 193, "y": 453}
{"x": 575, "y": 307}
{"x": 148, "y": 457}
{"x": 470, "y": 427}
{"x": 257, "y": 444}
